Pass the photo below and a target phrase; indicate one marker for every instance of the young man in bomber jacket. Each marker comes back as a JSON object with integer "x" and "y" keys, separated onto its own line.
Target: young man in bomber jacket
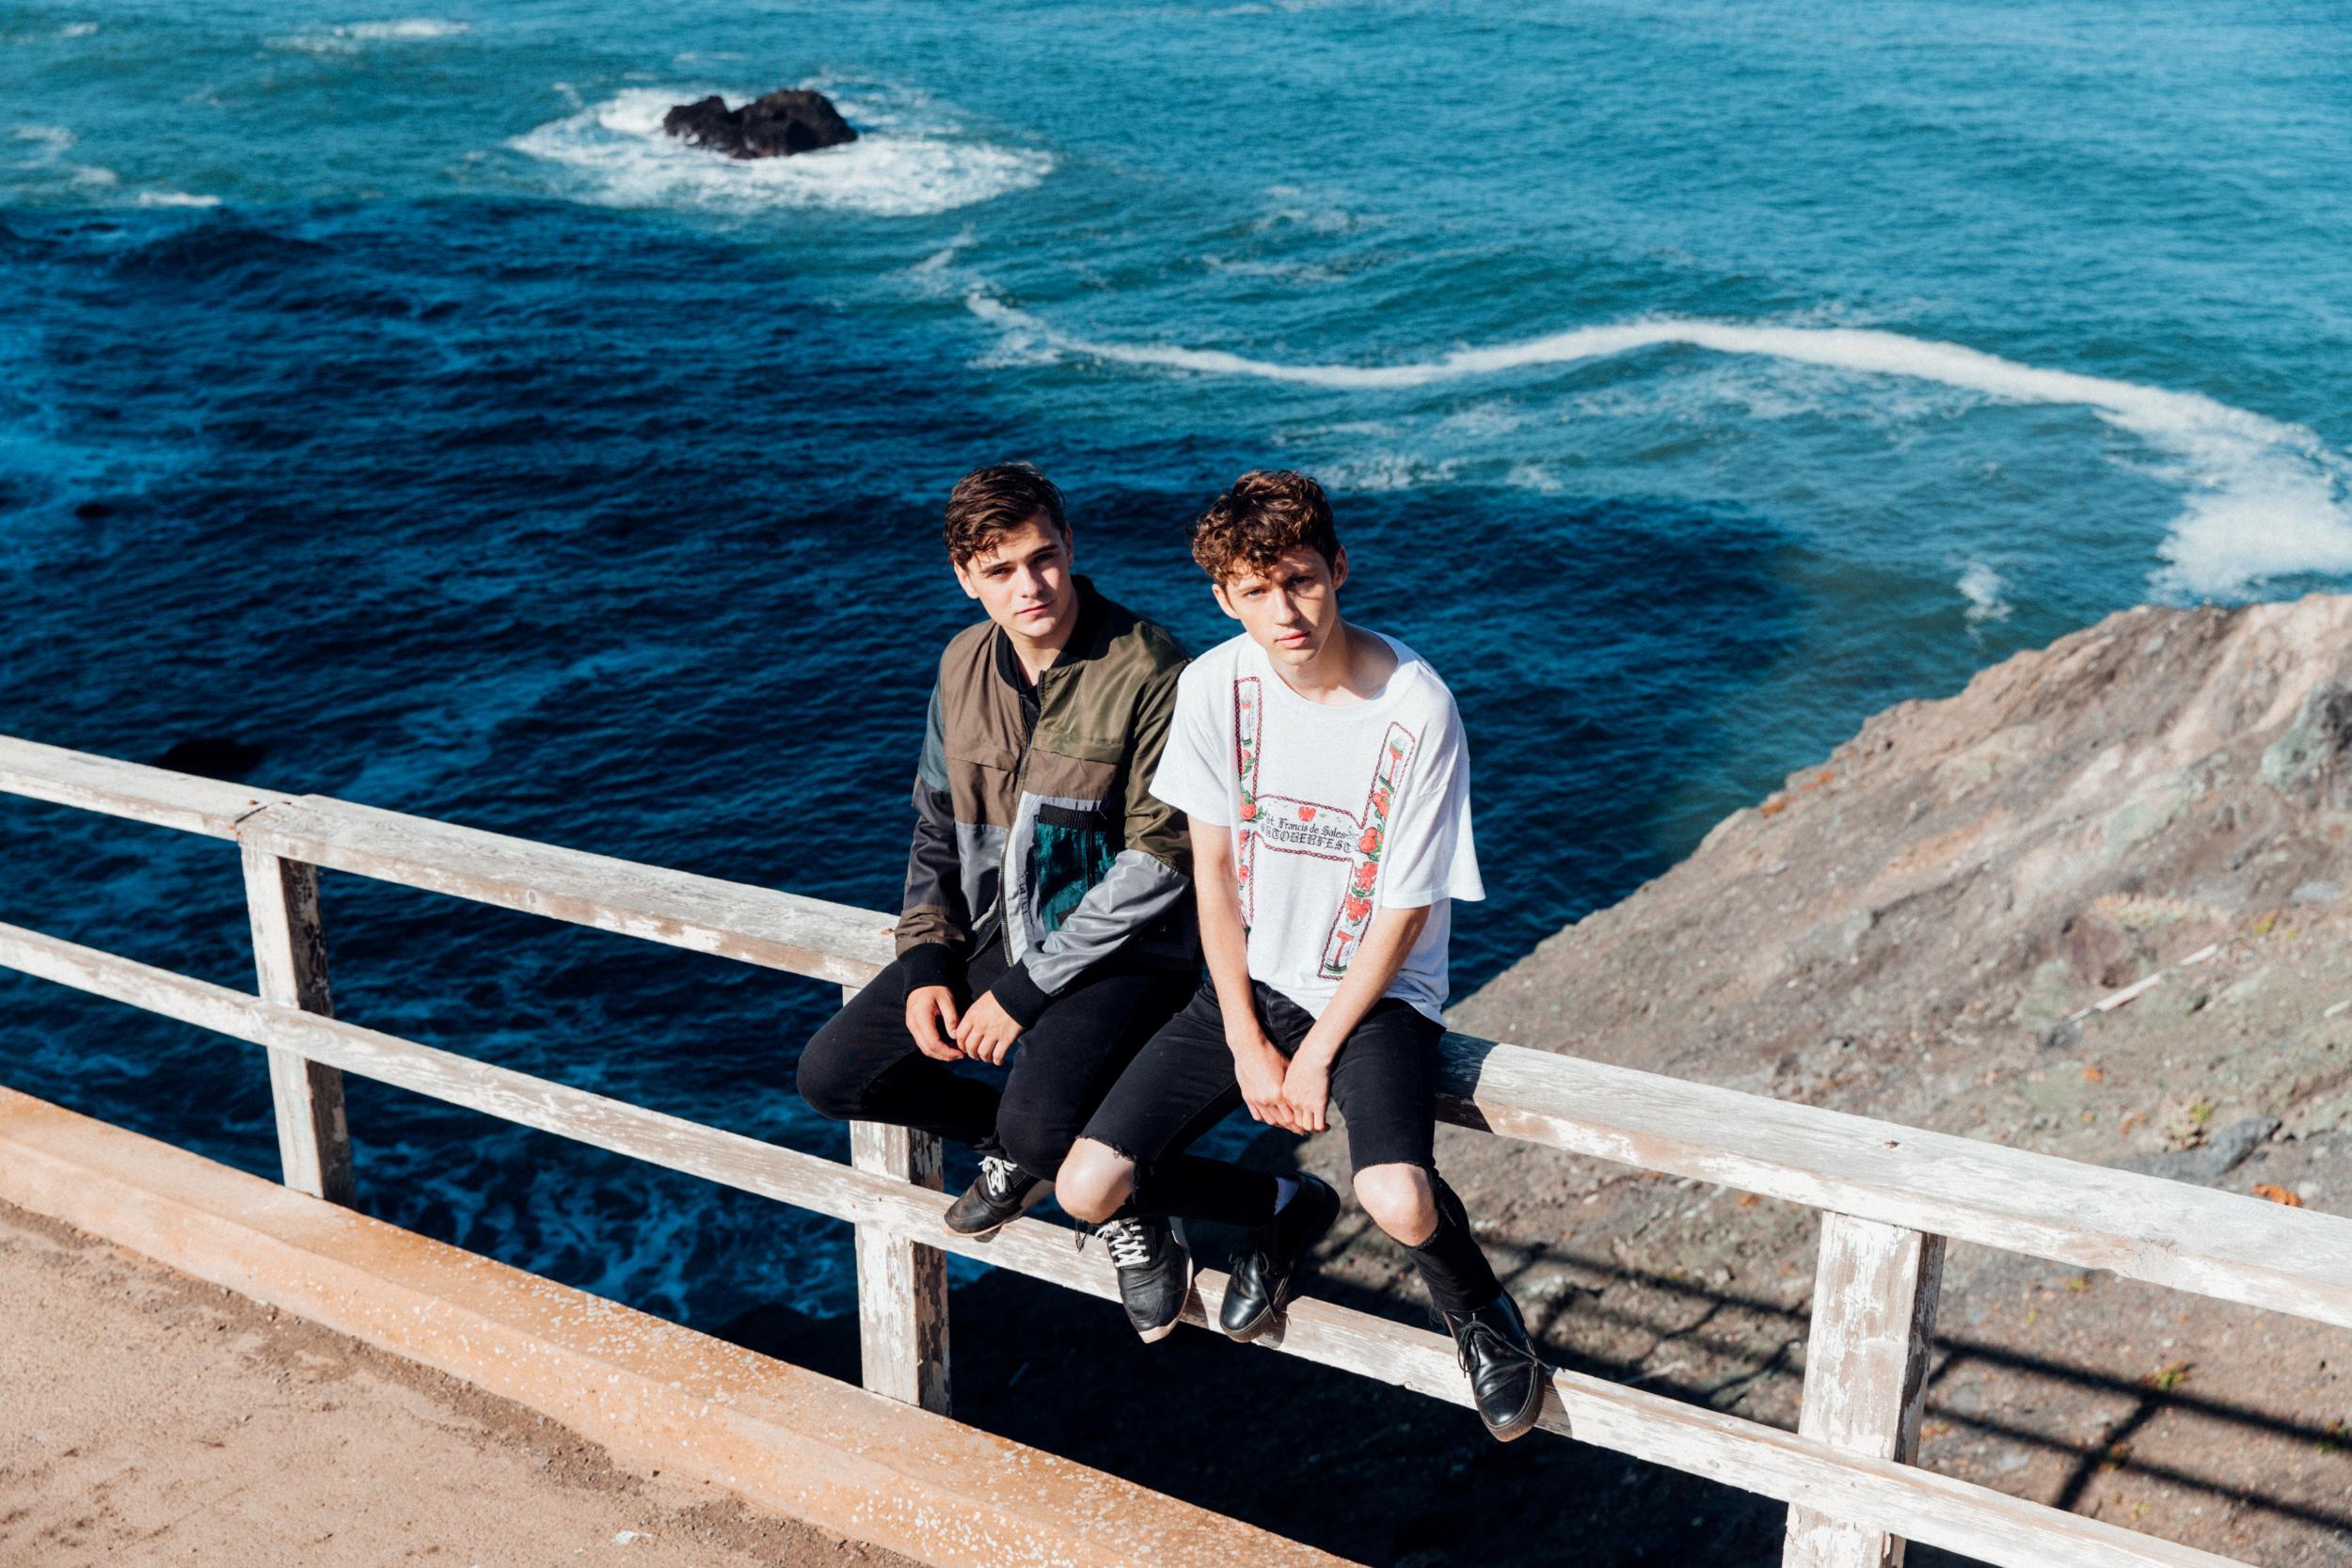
{"x": 1048, "y": 901}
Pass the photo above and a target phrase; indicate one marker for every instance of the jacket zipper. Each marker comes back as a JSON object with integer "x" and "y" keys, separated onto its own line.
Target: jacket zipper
{"x": 1002, "y": 915}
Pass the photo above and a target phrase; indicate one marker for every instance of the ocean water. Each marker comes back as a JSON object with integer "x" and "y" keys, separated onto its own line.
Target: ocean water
{"x": 381, "y": 390}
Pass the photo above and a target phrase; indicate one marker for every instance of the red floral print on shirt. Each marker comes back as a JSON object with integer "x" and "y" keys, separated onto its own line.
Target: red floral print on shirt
{"x": 1359, "y": 851}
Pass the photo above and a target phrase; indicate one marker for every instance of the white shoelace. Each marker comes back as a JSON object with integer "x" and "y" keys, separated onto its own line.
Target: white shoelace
{"x": 1128, "y": 1242}
{"x": 998, "y": 1174}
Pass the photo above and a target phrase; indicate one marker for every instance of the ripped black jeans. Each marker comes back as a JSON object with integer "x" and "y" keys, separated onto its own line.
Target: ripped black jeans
{"x": 1384, "y": 1085}
{"x": 1383, "y": 1082}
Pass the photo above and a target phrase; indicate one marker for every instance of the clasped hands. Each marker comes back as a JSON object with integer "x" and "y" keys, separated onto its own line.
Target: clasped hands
{"x": 1292, "y": 1093}
{"x": 984, "y": 1031}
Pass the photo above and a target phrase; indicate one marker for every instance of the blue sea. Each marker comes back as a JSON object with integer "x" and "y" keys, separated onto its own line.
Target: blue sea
{"x": 383, "y": 392}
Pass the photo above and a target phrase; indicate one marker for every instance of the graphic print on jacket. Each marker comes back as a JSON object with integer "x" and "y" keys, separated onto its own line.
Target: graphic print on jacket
{"x": 1074, "y": 850}
{"x": 1289, "y": 827}
{"x": 1049, "y": 830}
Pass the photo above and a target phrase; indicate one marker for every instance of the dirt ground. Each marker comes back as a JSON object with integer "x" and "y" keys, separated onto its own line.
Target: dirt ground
{"x": 147, "y": 1417}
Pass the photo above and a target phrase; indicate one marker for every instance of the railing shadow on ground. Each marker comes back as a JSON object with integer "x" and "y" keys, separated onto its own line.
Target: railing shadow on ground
{"x": 1366, "y": 1471}
{"x": 1558, "y": 1320}
{"x": 1889, "y": 1196}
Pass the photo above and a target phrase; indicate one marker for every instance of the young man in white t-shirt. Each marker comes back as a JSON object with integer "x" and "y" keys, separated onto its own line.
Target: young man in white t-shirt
{"x": 1323, "y": 770}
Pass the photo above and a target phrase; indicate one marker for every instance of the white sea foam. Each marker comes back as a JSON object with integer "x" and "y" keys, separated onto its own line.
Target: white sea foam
{"x": 1281, "y": 272}
{"x": 49, "y": 141}
{"x": 1294, "y": 207}
{"x": 71, "y": 30}
{"x": 937, "y": 276}
{"x": 624, "y": 158}
{"x": 45, "y": 157}
{"x": 2267, "y": 497}
{"x": 353, "y": 37}
{"x": 403, "y": 31}
{"x": 1483, "y": 421}
{"x": 1981, "y": 585}
{"x": 1386, "y": 471}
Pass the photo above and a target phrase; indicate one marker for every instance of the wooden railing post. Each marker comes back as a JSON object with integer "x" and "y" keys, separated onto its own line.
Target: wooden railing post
{"x": 290, "y": 960}
{"x": 1866, "y": 1369}
{"x": 902, "y": 1285}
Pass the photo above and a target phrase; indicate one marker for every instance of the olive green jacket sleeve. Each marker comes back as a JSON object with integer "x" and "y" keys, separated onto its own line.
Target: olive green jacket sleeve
{"x": 933, "y": 923}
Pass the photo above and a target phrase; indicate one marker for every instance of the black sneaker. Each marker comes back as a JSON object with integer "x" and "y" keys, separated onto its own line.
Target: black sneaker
{"x": 1507, "y": 1377}
{"x": 1154, "y": 1272}
{"x": 996, "y": 1197}
{"x": 1272, "y": 1262}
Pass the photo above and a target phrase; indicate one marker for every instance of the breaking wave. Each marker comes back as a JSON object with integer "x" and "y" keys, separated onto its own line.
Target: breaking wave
{"x": 2265, "y": 497}
{"x": 1981, "y": 585}
{"x": 353, "y": 37}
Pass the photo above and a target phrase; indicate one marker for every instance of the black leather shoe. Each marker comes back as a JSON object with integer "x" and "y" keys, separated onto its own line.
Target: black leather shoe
{"x": 1272, "y": 1262}
{"x": 1154, "y": 1274}
{"x": 995, "y": 1198}
{"x": 1507, "y": 1377}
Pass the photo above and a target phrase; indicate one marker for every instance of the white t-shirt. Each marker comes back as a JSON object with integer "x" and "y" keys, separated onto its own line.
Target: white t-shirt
{"x": 1337, "y": 810}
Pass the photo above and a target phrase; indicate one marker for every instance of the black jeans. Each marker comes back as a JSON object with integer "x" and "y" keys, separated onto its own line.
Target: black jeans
{"x": 1383, "y": 1081}
{"x": 863, "y": 1066}
{"x": 1384, "y": 1085}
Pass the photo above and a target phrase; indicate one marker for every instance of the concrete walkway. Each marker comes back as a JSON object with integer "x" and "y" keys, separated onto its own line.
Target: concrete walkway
{"x": 151, "y": 1418}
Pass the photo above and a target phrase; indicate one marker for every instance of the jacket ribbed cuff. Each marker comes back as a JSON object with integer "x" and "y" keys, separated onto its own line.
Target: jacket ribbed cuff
{"x": 932, "y": 963}
{"x": 1020, "y": 997}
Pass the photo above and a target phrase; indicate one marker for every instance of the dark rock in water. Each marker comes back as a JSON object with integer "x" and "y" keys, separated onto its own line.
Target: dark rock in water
{"x": 93, "y": 511}
{"x": 213, "y": 757}
{"x": 794, "y": 120}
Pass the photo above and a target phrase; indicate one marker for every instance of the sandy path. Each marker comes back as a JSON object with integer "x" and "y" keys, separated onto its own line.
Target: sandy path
{"x": 150, "y": 1418}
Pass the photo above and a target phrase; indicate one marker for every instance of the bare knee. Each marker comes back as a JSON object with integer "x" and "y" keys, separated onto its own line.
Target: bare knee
{"x": 1400, "y": 1201}
{"x": 1094, "y": 1180}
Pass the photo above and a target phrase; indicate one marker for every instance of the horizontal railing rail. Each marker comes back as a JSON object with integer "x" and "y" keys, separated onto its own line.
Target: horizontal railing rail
{"x": 1890, "y": 1194}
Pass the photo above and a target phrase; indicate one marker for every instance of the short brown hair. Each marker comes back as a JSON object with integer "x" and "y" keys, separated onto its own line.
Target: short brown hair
{"x": 1263, "y": 513}
{"x": 989, "y": 502}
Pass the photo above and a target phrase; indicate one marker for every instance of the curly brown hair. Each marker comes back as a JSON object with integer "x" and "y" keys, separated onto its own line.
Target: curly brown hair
{"x": 989, "y": 502}
{"x": 1262, "y": 514}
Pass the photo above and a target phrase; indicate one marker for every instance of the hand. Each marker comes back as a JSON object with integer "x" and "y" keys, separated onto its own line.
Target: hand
{"x": 927, "y": 1008}
{"x": 1307, "y": 1090}
{"x": 1259, "y": 1069}
{"x": 987, "y": 1031}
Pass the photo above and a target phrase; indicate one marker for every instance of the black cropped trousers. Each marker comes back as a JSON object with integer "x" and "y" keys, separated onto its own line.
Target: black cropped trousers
{"x": 863, "y": 1066}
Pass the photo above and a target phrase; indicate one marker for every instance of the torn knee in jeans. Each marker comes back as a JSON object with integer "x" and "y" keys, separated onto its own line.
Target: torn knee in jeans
{"x": 1095, "y": 1179}
{"x": 1401, "y": 1200}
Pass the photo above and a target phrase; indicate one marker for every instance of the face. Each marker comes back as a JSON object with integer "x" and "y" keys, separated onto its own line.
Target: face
{"x": 1023, "y": 581}
{"x": 1289, "y": 608}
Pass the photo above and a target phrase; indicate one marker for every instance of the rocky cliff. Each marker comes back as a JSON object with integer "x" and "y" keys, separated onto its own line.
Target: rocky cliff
{"x": 1915, "y": 927}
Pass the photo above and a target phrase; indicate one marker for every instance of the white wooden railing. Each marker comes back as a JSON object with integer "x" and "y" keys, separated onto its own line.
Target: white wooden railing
{"x": 1890, "y": 1196}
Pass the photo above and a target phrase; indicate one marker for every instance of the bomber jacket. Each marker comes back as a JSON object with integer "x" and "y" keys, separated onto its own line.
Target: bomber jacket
{"x": 1034, "y": 813}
